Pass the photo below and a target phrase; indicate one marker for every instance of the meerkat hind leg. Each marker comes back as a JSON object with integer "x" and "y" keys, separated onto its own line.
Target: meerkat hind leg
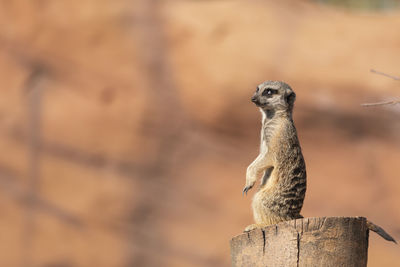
{"x": 255, "y": 226}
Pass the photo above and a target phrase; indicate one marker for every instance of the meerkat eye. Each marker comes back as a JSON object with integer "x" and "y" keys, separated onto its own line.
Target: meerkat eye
{"x": 257, "y": 89}
{"x": 268, "y": 92}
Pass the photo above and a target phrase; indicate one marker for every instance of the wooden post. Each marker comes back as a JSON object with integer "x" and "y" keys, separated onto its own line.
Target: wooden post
{"x": 326, "y": 241}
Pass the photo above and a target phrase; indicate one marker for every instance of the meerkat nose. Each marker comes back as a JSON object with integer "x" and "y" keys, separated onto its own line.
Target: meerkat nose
{"x": 254, "y": 99}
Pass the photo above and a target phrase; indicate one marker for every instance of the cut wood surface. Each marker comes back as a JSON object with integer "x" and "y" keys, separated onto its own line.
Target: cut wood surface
{"x": 325, "y": 241}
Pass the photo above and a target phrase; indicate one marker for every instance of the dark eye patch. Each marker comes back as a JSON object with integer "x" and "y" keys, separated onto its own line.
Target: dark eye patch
{"x": 269, "y": 92}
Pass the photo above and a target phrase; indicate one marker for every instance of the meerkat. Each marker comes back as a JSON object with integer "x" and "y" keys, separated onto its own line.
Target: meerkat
{"x": 280, "y": 164}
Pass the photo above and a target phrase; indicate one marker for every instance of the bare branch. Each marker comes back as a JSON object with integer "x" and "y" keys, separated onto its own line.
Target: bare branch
{"x": 390, "y": 102}
{"x": 387, "y": 75}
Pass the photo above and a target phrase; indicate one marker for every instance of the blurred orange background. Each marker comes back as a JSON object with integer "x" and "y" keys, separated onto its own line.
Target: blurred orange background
{"x": 126, "y": 125}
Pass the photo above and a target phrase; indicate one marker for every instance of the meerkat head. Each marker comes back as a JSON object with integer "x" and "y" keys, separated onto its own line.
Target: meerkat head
{"x": 274, "y": 96}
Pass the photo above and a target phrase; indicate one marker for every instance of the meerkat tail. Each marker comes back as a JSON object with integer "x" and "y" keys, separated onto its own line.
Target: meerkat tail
{"x": 379, "y": 230}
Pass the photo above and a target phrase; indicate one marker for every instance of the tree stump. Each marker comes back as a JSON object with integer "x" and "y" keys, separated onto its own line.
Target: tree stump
{"x": 325, "y": 241}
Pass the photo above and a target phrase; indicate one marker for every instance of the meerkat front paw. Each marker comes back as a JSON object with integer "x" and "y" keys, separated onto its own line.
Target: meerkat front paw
{"x": 251, "y": 179}
{"x": 247, "y": 188}
{"x": 249, "y": 185}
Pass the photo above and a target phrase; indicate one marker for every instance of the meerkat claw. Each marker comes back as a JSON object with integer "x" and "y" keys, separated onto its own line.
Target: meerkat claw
{"x": 246, "y": 189}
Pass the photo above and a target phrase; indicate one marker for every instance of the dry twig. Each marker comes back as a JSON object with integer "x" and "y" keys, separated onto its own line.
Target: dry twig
{"x": 387, "y": 75}
{"x": 390, "y": 102}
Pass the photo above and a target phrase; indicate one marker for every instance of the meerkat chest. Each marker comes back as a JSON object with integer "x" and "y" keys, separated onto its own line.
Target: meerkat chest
{"x": 264, "y": 146}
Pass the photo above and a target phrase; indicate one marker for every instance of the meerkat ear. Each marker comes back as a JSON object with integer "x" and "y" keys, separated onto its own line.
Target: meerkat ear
{"x": 290, "y": 97}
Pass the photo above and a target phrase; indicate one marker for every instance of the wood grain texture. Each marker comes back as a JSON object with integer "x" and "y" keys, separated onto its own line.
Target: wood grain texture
{"x": 325, "y": 241}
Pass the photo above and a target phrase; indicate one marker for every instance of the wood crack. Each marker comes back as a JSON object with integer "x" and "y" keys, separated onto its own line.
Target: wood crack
{"x": 263, "y": 233}
{"x": 298, "y": 248}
